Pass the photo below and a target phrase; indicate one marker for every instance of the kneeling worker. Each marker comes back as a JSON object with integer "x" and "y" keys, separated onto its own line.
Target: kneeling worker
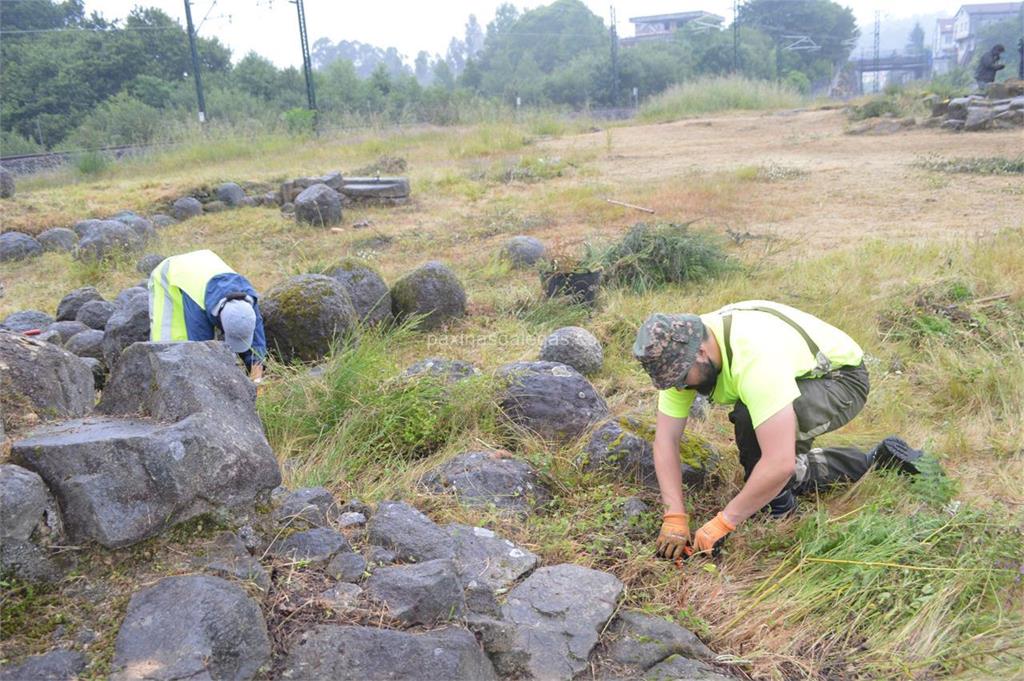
{"x": 791, "y": 377}
{"x": 193, "y": 295}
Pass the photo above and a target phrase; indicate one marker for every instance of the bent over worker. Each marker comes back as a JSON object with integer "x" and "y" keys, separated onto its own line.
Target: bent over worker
{"x": 791, "y": 377}
{"x": 193, "y": 295}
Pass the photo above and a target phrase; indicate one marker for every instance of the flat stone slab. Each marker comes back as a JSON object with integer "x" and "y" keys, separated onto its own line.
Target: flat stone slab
{"x": 642, "y": 641}
{"x": 408, "y": 533}
{"x": 420, "y": 593}
{"x": 678, "y": 668}
{"x": 483, "y": 557}
{"x": 349, "y": 653}
{"x": 316, "y": 546}
{"x": 489, "y": 479}
{"x": 357, "y": 188}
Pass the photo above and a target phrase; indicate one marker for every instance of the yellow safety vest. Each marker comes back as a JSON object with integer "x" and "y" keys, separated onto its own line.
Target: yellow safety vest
{"x": 189, "y": 273}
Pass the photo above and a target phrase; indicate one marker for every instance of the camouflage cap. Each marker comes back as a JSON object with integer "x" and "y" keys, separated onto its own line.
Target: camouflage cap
{"x": 667, "y": 345}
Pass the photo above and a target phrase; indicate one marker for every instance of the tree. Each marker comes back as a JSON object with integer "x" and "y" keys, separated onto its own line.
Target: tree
{"x": 474, "y": 39}
{"x": 443, "y": 77}
{"x": 915, "y": 40}
{"x": 456, "y": 57}
{"x": 422, "y": 68}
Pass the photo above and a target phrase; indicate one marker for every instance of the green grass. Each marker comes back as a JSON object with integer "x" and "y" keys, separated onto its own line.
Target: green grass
{"x": 713, "y": 95}
{"x": 995, "y": 165}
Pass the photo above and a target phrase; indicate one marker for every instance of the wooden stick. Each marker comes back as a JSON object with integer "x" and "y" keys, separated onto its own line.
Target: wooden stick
{"x": 990, "y": 299}
{"x": 338, "y": 230}
{"x": 630, "y": 205}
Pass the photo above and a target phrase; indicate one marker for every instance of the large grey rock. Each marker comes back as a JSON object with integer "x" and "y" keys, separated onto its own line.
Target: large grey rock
{"x": 346, "y": 567}
{"x": 550, "y": 399}
{"x": 201, "y": 448}
{"x": 641, "y": 641}
{"x": 227, "y": 556}
{"x": 31, "y": 562}
{"x": 56, "y": 665}
{"x": 319, "y": 205}
{"x": 379, "y": 188}
{"x": 69, "y": 305}
{"x": 489, "y": 479}
{"x": 309, "y": 506}
{"x": 186, "y": 207}
{"x": 431, "y": 291}
{"x": 99, "y": 371}
{"x": 556, "y": 614}
{"x": 160, "y": 221}
{"x": 305, "y": 314}
{"x": 42, "y": 379}
{"x": 487, "y": 563}
{"x": 231, "y": 194}
{"x": 442, "y": 369}
{"x": 95, "y": 314}
{"x": 420, "y": 593}
{"x": 148, "y": 263}
{"x": 27, "y": 509}
{"x": 26, "y": 320}
{"x": 616, "y": 447}
{"x": 574, "y": 346}
{"x": 191, "y": 627}
{"x": 82, "y": 227}
{"x": 678, "y": 667}
{"x": 6, "y": 184}
{"x": 86, "y": 344}
{"x": 18, "y": 246}
{"x": 140, "y": 225}
{"x": 523, "y": 251}
{"x": 978, "y": 118}
{"x": 349, "y": 653}
{"x": 408, "y": 533}
{"x": 109, "y": 238}
{"x": 367, "y": 290}
{"x": 59, "y": 239}
{"x": 316, "y": 546}
{"x": 129, "y": 324}
{"x": 67, "y": 330}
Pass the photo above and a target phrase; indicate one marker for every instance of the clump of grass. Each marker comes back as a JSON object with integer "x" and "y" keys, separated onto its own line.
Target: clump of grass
{"x": 533, "y": 169}
{"x": 875, "y": 108}
{"x": 768, "y": 172}
{"x": 91, "y": 163}
{"x": 650, "y": 256}
{"x": 710, "y": 95}
{"x": 993, "y": 165}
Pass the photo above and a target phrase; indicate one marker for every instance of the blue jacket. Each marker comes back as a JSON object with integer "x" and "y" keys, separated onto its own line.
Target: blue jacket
{"x": 201, "y": 324}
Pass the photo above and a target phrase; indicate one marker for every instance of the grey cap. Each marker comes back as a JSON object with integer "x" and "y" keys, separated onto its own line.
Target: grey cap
{"x": 667, "y": 345}
{"x": 238, "y": 320}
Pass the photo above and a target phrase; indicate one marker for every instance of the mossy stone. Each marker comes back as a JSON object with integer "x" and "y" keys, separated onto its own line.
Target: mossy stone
{"x": 432, "y": 291}
{"x": 305, "y": 314}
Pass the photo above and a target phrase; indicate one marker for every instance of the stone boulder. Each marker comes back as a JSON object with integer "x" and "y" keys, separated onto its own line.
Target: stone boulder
{"x": 367, "y": 290}
{"x": 82, "y": 227}
{"x": 550, "y": 399}
{"x": 978, "y": 118}
{"x": 140, "y": 225}
{"x": 18, "y": 246}
{"x": 555, "y": 618}
{"x": 69, "y": 305}
{"x": 640, "y": 641}
{"x": 26, "y": 320}
{"x": 148, "y": 263}
{"x": 420, "y": 593}
{"x": 307, "y": 507}
{"x": 58, "y": 239}
{"x": 86, "y": 344}
{"x": 319, "y": 205}
{"x": 227, "y": 556}
{"x": 574, "y": 346}
{"x": 305, "y": 314}
{"x": 95, "y": 314}
{"x": 231, "y": 194}
{"x": 6, "y": 184}
{"x": 56, "y": 665}
{"x": 409, "y": 534}
{"x": 67, "y": 330}
{"x": 351, "y": 653}
{"x": 489, "y": 479}
{"x": 186, "y": 207}
{"x": 432, "y": 292}
{"x": 29, "y": 511}
{"x": 191, "y": 627}
{"x": 447, "y": 371}
{"x": 389, "y": 190}
{"x": 487, "y": 564}
{"x": 346, "y": 567}
{"x": 129, "y": 324}
{"x": 41, "y": 379}
{"x": 197, "y": 447}
{"x": 99, "y": 371}
{"x": 160, "y": 221}
{"x": 678, "y": 667}
{"x": 108, "y": 238}
{"x": 523, "y": 251}
{"x": 617, "y": 447}
{"x": 316, "y": 546}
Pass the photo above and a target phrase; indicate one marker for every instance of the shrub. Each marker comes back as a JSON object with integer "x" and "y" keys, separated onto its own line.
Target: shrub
{"x": 874, "y": 108}
{"x": 650, "y": 256}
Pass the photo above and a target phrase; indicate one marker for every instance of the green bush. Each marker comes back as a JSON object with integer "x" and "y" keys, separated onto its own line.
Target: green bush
{"x": 299, "y": 121}
{"x": 875, "y": 108}
{"x": 91, "y": 162}
{"x": 650, "y": 256}
{"x": 120, "y": 120}
{"x": 13, "y": 144}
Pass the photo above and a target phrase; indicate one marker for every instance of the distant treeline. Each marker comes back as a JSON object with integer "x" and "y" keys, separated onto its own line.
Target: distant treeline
{"x": 75, "y": 81}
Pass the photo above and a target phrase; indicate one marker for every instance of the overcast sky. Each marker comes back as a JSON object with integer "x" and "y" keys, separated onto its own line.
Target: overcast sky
{"x": 270, "y": 27}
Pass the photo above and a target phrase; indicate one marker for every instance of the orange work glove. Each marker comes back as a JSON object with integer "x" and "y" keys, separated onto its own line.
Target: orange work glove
{"x": 711, "y": 536}
{"x": 674, "y": 537}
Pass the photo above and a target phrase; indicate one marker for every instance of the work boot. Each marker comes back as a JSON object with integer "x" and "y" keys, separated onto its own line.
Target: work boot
{"x": 894, "y": 452}
{"x": 782, "y": 505}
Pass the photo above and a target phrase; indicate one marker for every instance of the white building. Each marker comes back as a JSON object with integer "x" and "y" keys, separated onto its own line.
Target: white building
{"x": 970, "y": 19}
{"x": 663, "y": 26}
{"x": 943, "y": 47}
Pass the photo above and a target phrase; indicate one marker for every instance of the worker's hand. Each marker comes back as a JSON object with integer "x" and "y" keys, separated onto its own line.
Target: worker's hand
{"x": 256, "y": 373}
{"x": 709, "y": 539}
{"x": 674, "y": 536}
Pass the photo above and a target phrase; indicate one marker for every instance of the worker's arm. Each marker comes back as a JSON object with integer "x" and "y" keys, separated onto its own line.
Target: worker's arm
{"x": 668, "y": 431}
{"x": 777, "y": 439}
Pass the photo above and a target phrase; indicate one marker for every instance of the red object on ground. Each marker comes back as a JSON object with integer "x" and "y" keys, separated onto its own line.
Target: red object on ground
{"x": 32, "y": 332}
